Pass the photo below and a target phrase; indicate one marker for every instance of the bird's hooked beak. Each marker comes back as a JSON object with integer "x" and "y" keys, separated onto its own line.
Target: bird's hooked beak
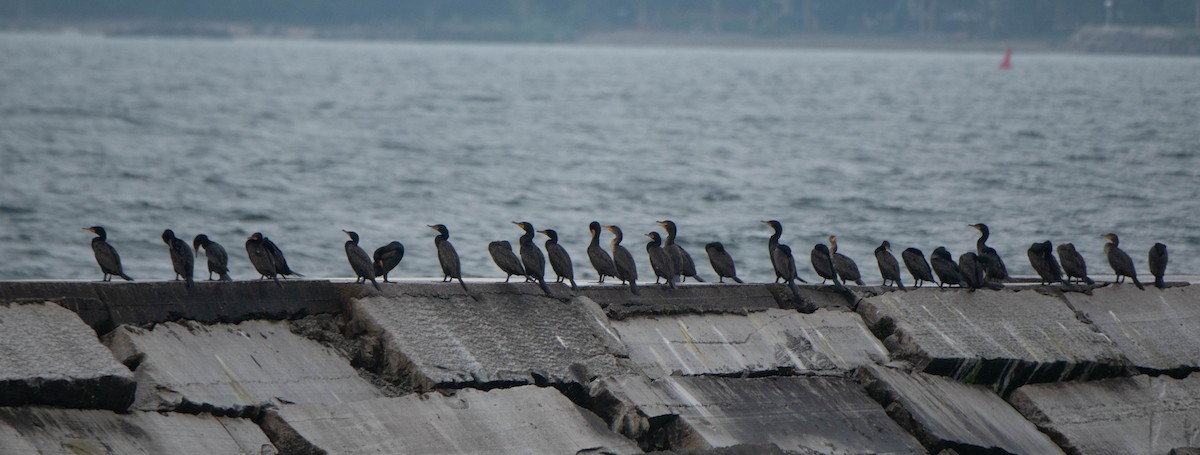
{"x": 347, "y": 233}
{"x": 651, "y": 235}
{"x": 89, "y": 230}
{"x": 431, "y": 226}
{"x": 547, "y": 234}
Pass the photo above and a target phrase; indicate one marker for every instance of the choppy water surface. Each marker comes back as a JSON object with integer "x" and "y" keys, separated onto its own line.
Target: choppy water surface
{"x": 300, "y": 139}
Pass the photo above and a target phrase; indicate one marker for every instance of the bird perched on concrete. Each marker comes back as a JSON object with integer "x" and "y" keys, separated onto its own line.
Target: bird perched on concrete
{"x": 261, "y": 258}
{"x": 680, "y": 259}
{"x": 889, "y": 268}
{"x": 106, "y": 256}
{"x": 993, "y": 266}
{"x": 822, "y": 263}
{"x": 531, "y": 256}
{"x": 914, "y": 261}
{"x": 662, "y": 264}
{"x": 845, "y": 267}
{"x": 947, "y": 270}
{"x": 363, "y": 268}
{"x": 973, "y": 275}
{"x": 386, "y": 258}
{"x": 773, "y": 246}
{"x": 623, "y": 260}
{"x": 217, "y": 258}
{"x": 504, "y": 257}
{"x": 560, "y": 260}
{"x": 281, "y": 264}
{"x": 601, "y": 261}
{"x": 722, "y": 262}
{"x": 1158, "y": 264}
{"x": 1041, "y": 257}
{"x": 181, "y": 257}
{"x": 447, "y": 256}
{"x": 1073, "y": 264}
{"x": 1120, "y": 261}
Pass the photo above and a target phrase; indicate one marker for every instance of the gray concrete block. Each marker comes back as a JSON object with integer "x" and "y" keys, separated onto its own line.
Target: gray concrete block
{"x": 434, "y": 335}
{"x": 946, "y": 414}
{"x": 1126, "y": 416}
{"x": 81, "y": 298}
{"x": 803, "y": 414}
{"x": 524, "y": 419}
{"x": 1004, "y": 339}
{"x": 757, "y": 342}
{"x": 49, "y": 356}
{"x": 619, "y": 303}
{"x": 74, "y": 432}
{"x": 1158, "y": 330}
{"x": 233, "y": 369}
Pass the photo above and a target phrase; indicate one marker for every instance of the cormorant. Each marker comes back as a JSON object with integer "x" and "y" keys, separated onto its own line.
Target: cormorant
{"x": 660, "y": 261}
{"x": 532, "y": 257}
{"x": 785, "y": 263}
{"x": 721, "y": 261}
{"x": 1073, "y": 264}
{"x": 560, "y": 260}
{"x": 972, "y": 270}
{"x": 993, "y": 266}
{"x": 772, "y": 245}
{"x": 281, "y": 265}
{"x": 218, "y": 259}
{"x": 386, "y": 258}
{"x": 1158, "y": 264}
{"x": 261, "y": 258}
{"x": 1041, "y": 257}
{"x": 822, "y": 263}
{"x": 106, "y": 255}
{"x": 181, "y": 257}
{"x": 359, "y": 261}
{"x": 447, "y": 256}
{"x": 601, "y": 261}
{"x": 846, "y": 268}
{"x": 947, "y": 270}
{"x": 680, "y": 259}
{"x": 623, "y": 260}
{"x": 914, "y": 261}
{"x": 889, "y": 268}
{"x": 503, "y": 256}
{"x": 1121, "y": 264}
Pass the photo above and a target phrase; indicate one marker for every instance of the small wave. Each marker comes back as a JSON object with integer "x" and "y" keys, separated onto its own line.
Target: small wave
{"x": 15, "y": 210}
{"x": 1031, "y": 134}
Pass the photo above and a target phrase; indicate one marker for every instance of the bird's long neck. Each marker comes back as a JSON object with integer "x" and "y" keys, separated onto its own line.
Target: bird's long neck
{"x": 441, "y": 238}
{"x": 617, "y": 237}
{"x": 773, "y": 242}
{"x": 527, "y": 239}
{"x": 595, "y": 238}
{"x": 670, "y": 234}
{"x": 832, "y": 246}
{"x": 983, "y": 236}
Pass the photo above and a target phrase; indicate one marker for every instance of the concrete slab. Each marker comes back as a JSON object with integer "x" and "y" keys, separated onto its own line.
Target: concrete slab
{"x": 1138, "y": 415}
{"x": 619, "y": 303}
{"x": 49, "y": 356}
{"x": 757, "y": 342}
{"x": 233, "y": 369}
{"x": 814, "y": 296}
{"x": 436, "y": 336}
{"x": 524, "y": 419}
{"x": 1157, "y": 329}
{"x": 81, "y": 298}
{"x": 73, "y": 432}
{"x": 803, "y": 414}
{"x": 1003, "y": 339}
{"x": 948, "y": 415}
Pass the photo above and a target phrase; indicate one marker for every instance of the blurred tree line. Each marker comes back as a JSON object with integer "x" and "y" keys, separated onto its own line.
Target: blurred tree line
{"x": 563, "y": 19}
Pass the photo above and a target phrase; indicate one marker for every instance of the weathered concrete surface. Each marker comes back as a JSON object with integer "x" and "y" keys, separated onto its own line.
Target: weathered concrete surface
{"x": 49, "y": 356}
{"x": 1157, "y": 329}
{"x": 524, "y": 419}
{"x": 946, "y": 414}
{"x": 104, "y": 306}
{"x": 74, "y": 432}
{"x": 1000, "y": 338}
{"x": 757, "y": 342}
{"x": 823, "y": 415}
{"x": 619, "y": 303}
{"x": 812, "y": 297}
{"x": 1130, "y": 416}
{"x": 436, "y": 336}
{"x": 233, "y": 369}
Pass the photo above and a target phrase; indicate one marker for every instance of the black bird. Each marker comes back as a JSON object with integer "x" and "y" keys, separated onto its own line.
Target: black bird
{"x": 1121, "y": 264}
{"x": 181, "y": 257}
{"x": 822, "y": 263}
{"x": 680, "y": 259}
{"x": 1158, "y": 264}
{"x": 261, "y": 258}
{"x": 560, "y": 260}
{"x": 772, "y": 245}
{"x": 447, "y": 256}
{"x": 386, "y": 258}
{"x": 785, "y": 263}
{"x": 601, "y": 261}
{"x": 281, "y": 265}
{"x": 532, "y": 257}
{"x": 914, "y": 261}
{"x": 993, "y": 266}
{"x": 1073, "y": 264}
{"x": 721, "y": 261}
{"x": 106, "y": 255}
{"x": 623, "y": 260}
{"x": 218, "y": 259}
{"x": 1041, "y": 257}
{"x": 364, "y": 269}
{"x": 947, "y": 270}
{"x": 889, "y": 268}
{"x": 504, "y": 257}
{"x": 660, "y": 261}
{"x": 845, "y": 267}
{"x": 972, "y": 270}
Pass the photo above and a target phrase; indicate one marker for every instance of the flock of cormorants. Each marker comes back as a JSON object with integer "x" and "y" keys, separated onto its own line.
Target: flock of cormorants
{"x": 982, "y": 268}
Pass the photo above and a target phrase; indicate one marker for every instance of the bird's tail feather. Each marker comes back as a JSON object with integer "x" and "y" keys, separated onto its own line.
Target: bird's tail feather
{"x": 633, "y": 287}
{"x": 738, "y": 280}
{"x": 1138, "y": 283}
{"x": 225, "y": 276}
{"x": 573, "y": 286}
{"x": 698, "y": 279}
{"x": 126, "y": 277}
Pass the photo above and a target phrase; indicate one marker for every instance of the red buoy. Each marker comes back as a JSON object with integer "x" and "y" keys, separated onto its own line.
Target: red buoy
{"x": 1007, "y": 63}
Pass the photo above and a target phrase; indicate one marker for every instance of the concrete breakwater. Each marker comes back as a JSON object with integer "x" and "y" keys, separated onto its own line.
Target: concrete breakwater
{"x": 324, "y": 367}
